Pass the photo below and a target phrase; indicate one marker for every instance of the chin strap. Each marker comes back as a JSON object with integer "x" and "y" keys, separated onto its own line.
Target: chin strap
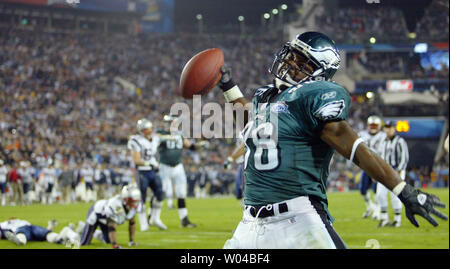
{"x": 281, "y": 85}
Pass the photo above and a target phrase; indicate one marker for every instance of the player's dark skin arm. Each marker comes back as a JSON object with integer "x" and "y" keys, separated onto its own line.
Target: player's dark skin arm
{"x": 131, "y": 229}
{"x": 340, "y": 136}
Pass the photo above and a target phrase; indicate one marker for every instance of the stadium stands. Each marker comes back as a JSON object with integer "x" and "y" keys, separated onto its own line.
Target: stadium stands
{"x": 74, "y": 97}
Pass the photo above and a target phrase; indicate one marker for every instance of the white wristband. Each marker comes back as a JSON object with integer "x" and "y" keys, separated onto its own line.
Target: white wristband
{"x": 399, "y": 188}
{"x": 233, "y": 94}
{"x": 355, "y": 146}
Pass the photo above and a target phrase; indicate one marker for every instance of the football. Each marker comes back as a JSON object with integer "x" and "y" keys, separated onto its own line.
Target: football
{"x": 201, "y": 73}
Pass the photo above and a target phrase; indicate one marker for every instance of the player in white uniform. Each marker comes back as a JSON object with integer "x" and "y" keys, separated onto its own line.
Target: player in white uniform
{"x": 21, "y": 231}
{"x": 107, "y": 214}
{"x": 3, "y": 177}
{"x": 87, "y": 174}
{"x": 373, "y": 137}
{"x": 26, "y": 172}
{"x": 143, "y": 147}
{"x": 46, "y": 182}
{"x": 171, "y": 144}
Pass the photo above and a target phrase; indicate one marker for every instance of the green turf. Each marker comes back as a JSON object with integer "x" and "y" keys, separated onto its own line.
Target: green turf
{"x": 218, "y": 217}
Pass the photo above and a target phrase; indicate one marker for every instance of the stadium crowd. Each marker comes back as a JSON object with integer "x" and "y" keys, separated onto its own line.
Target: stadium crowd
{"x": 434, "y": 24}
{"x": 355, "y": 25}
{"x": 406, "y": 64}
{"x": 69, "y": 102}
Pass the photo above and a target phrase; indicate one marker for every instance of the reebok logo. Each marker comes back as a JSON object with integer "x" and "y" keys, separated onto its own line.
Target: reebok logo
{"x": 421, "y": 198}
{"x": 328, "y": 95}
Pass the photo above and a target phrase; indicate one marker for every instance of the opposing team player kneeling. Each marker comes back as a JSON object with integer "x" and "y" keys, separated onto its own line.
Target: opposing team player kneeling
{"x": 107, "y": 214}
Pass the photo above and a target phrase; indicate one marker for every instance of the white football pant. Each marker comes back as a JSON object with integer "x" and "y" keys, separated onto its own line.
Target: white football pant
{"x": 173, "y": 179}
{"x": 303, "y": 226}
{"x": 382, "y": 196}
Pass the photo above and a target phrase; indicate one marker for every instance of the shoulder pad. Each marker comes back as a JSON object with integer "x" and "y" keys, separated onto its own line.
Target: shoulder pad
{"x": 116, "y": 204}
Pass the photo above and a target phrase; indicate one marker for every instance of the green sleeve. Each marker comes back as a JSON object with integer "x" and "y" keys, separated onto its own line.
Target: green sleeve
{"x": 321, "y": 106}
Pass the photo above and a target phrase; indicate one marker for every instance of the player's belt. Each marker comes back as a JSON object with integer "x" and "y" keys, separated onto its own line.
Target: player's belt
{"x": 267, "y": 210}
{"x": 147, "y": 168}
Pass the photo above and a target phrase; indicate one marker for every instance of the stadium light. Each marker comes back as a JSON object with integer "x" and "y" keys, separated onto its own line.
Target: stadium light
{"x": 284, "y": 6}
{"x": 274, "y": 11}
{"x": 412, "y": 35}
{"x": 199, "y": 16}
{"x": 369, "y": 95}
{"x": 372, "y": 40}
{"x": 241, "y": 18}
{"x": 266, "y": 16}
{"x": 421, "y": 48}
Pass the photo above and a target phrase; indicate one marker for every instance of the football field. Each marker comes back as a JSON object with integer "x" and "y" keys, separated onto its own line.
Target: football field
{"x": 218, "y": 217}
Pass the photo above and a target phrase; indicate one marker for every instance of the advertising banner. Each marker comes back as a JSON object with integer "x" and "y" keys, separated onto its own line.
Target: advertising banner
{"x": 158, "y": 16}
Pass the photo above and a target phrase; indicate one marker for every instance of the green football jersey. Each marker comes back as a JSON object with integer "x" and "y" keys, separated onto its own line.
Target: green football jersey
{"x": 285, "y": 157}
{"x": 170, "y": 147}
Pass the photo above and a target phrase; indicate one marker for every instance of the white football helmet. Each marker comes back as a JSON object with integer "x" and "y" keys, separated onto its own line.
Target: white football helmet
{"x": 143, "y": 124}
{"x": 131, "y": 196}
{"x": 374, "y": 123}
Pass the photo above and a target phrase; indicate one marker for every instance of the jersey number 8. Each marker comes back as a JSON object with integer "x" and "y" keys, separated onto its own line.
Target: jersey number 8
{"x": 262, "y": 138}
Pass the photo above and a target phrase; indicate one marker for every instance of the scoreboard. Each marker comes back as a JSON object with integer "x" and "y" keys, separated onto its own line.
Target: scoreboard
{"x": 426, "y": 128}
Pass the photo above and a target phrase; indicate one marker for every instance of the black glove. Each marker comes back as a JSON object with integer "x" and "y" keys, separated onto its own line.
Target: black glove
{"x": 226, "y": 81}
{"x": 420, "y": 203}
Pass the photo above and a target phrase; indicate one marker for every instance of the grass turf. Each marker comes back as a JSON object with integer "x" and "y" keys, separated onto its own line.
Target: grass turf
{"x": 218, "y": 217}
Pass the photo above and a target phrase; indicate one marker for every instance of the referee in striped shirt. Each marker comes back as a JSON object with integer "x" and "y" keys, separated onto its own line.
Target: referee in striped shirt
{"x": 395, "y": 153}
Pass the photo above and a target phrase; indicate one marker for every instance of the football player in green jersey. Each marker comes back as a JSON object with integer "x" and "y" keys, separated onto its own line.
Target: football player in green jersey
{"x": 294, "y": 127}
{"x": 171, "y": 168}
